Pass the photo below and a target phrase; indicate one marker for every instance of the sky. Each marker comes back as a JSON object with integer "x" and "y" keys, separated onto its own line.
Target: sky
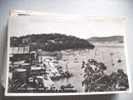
{"x": 76, "y": 25}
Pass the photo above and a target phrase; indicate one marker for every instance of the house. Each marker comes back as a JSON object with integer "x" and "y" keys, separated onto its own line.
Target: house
{"x": 19, "y": 50}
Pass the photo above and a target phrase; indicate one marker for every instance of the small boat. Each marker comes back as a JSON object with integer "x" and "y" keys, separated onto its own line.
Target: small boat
{"x": 68, "y": 88}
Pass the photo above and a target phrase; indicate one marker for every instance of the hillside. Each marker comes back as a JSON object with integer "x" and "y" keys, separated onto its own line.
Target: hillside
{"x": 115, "y": 39}
{"x": 50, "y": 42}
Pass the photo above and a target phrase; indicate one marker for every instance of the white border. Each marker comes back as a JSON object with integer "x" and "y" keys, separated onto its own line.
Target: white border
{"x": 15, "y": 12}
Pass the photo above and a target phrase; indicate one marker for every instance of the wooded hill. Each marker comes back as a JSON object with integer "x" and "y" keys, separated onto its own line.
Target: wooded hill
{"x": 50, "y": 42}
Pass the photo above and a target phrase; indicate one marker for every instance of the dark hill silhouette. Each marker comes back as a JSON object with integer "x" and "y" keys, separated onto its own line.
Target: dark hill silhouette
{"x": 50, "y": 42}
{"x": 118, "y": 39}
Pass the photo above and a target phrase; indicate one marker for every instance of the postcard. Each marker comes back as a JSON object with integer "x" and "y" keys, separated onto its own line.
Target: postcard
{"x": 54, "y": 54}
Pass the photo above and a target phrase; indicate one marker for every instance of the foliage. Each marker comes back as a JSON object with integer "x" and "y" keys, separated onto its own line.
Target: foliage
{"x": 50, "y": 42}
{"x": 97, "y": 80}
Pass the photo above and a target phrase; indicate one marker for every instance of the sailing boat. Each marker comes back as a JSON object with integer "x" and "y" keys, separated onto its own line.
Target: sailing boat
{"x": 68, "y": 87}
{"x": 67, "y": 72}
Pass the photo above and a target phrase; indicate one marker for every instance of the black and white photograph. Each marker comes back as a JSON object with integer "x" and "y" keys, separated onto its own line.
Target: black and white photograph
{"x": 56, "y": 54}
